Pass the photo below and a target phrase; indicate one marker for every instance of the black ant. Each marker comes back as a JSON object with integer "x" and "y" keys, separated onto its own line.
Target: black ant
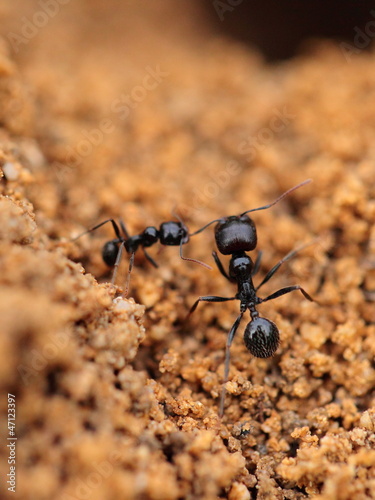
{"x": 238, "y": 233}
{"x": 235, "y": 235}
{"x": 170, "y": 233}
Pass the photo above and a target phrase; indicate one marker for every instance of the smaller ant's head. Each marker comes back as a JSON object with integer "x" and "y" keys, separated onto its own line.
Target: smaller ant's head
{"x": 262, "y": 337}
{"x": 235, "y": 234}
{"x": 110, "y": 251}
{"x": 150, "y": 236}
{"x": 240, "y": 267}
{"x": 173, "y": 233}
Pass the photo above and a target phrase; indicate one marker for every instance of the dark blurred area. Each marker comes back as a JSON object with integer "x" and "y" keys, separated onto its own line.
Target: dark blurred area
{"x": 279, "y": 29}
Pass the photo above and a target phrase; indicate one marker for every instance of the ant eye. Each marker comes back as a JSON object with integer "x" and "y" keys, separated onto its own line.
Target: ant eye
{"x": 262, "y": 338}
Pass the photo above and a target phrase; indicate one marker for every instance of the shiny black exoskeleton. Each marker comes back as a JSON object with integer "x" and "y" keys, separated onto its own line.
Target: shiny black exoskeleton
{"x": 172, "y": 233}
{"x": 261, "y": 335}
{"x": 236, "y": 235}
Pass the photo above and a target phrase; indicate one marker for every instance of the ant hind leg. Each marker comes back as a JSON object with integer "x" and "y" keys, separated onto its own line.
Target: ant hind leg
{"x": 230, "y": 338}
{"x": 220, "y": 266}
{"x": 285, "y": 290}
{"x": 114, "y": 225}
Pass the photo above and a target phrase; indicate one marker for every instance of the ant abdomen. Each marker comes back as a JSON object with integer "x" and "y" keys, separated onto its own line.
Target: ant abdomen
{"x": 109, "y": 252}
{"x": 235, "y": 234}
{"x": 262, "y": 337}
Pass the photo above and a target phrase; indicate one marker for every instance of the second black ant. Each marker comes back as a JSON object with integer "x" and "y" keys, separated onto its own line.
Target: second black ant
{"x": 172, "y": 233}
{"x": 235, "y": 235}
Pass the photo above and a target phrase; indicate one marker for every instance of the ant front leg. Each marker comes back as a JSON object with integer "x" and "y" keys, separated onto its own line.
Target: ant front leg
{"x": 221, "y": 267}
{"x": 257, "y": 263}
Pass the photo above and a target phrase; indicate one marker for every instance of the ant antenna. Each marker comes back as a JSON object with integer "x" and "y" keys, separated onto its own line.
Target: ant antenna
{"x": 260, "y": 208}
{"x": 175, "y": 214}
{"x": 193, "y": 260}
{"x": 204, "y": 227}
{"x": 279, "y": 198}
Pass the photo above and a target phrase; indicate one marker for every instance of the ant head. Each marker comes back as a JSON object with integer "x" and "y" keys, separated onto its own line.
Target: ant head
{"x": 110, "y": 251}
{"x": 235, "y": 234}
{"x": 240, "y": 267}
{"x": 262, "y": 337}
{"x": 150, "y": 236}
{"x": 173, "y": 233}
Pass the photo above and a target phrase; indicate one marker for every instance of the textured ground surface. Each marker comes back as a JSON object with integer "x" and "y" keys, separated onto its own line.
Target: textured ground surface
{"x": 115, "y": 112}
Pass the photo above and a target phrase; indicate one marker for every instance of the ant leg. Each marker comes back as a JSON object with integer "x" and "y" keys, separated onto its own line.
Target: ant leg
{"x": 118, "y": 259}
{"x": 220, "y": 266}
{"x": 193, "y": 260}
{"x": 124, "y": 230}
{"x": 149, "y": 258}
{"x": 131, "y": 263}
{"x": 284, "y": 259}
{"x": 230, "y": 338}
{"x": 208, "y": 298}
{"x": 257, "y": 263}
{"x": 285, "y": 290}
{"x": 114, "y": 225}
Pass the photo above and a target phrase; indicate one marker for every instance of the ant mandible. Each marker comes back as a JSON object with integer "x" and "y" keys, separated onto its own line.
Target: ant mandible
{"x": 235, "y": 235}
{"x": 170, "y": 233}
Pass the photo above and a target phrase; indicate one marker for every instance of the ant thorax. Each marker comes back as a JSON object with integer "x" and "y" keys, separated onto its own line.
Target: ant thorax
{"x": 133, "y": 243}
{"x": 235, "y": 234}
